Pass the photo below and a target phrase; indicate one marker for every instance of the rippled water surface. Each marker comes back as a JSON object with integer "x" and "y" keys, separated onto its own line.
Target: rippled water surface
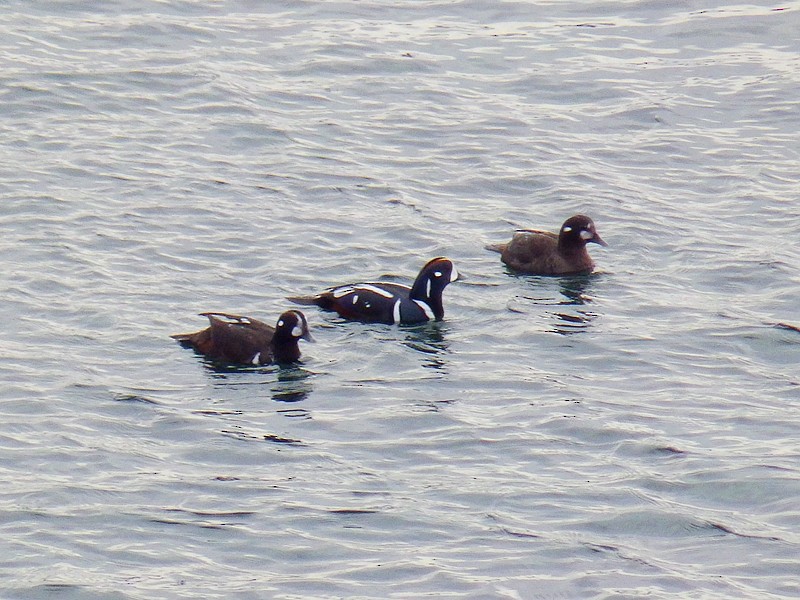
{"x": 629, "y": 434}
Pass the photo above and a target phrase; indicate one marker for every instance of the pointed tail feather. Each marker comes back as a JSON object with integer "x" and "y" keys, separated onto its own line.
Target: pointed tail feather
{"x": 305, "y": 300}
{"x": 187, "y": 340}
{"x": 182, "y": 337}
{"x": 325, "y": 300}
{"x": 496, "y": 247}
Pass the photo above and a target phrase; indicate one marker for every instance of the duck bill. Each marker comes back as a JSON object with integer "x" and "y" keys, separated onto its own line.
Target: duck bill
{"x": 307, "y": 337}
{"x": 598, "y": 240}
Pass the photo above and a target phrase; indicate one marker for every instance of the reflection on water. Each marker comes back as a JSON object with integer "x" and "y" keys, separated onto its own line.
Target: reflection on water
{"x": 428, "y": 339}
{"x": 575, "y": 289}
{"x": 567, "y": 293}
{"x": 566, "y": 324}
{"x": 221, "y": 370}
{"x": 293, "y": 385}
{"x": 574, "y": 292}
{"x": 266, "y": 437}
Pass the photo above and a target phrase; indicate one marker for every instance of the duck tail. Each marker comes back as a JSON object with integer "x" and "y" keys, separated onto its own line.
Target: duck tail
{"x": 496, "y": 247}
{"x": 306, "y": 300}
{"x": 187, "y": 340}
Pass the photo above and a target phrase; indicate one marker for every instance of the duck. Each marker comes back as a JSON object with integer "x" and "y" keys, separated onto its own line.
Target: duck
{"x": 239, "y": 340}
{"x": 537, "y": 252}
{"x": 388, "y": 302}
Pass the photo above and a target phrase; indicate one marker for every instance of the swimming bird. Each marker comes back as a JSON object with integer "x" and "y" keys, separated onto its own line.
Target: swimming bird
{"x": 388, "y": 302}
{"x": 246, "y": 341}
{"x": 545, "y": 253}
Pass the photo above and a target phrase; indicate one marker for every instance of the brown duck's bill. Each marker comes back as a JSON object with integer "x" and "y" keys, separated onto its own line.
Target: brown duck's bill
{"x": 598, "y": 240}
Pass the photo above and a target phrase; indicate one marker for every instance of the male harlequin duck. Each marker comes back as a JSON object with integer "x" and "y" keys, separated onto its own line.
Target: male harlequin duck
{"x": 245, "y": 341}
{"x": 386, "y": 302}
{"x": 544, "y": 253}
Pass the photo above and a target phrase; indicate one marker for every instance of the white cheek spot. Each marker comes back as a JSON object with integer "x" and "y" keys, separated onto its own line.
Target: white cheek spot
{"x": 256, "y": 358}
{"x": 297, "y": 331}
{"x": 566, "y": 229}
{"x": 367, "y": 305}
{"x": 437, "y": 273}
{"x": 428, "y": 289}
{"x": 586, "y": 234}
{"x": 355, "y": 299}
{"x": 396, "y": 312}
{"x": 367, "y": 287}
{"x": 280, "y": 323}
{"x": 426, "y": 309}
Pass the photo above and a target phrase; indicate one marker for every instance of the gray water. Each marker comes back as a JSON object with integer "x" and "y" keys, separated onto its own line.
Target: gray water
{"x": 629, "y": 434}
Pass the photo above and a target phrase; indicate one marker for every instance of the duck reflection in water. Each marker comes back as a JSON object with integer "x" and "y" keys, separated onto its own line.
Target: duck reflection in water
{"x": 293, "y": 385}
{"x": 573, "y": 293}
{"x": 429, "y": 339}
{"x": 293, "y": 382}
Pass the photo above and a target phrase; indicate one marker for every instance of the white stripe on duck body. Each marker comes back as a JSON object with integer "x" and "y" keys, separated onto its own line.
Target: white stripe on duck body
{"x": 235, "y": 339}
{"x": 388, "y": 302}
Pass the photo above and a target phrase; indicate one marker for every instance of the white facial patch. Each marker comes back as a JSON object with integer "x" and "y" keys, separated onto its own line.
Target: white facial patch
{"x": 280, "y": 323}
{"x": 428, "y": 288}
{"x": 297, "y": 331}
{"x": 426, "y": 309}
{"x": 341, "y": 291}
{"x": 256, "y": 358}
{"x": 396, "y": 312}
{"x": 376, "y": 290}
{"x": 355, "y": 299}
{"x": 437, "y": 273}
{"x": 453, "y": 274}
{"x": 566, "y": 229}
{"x": 586, "y": 234}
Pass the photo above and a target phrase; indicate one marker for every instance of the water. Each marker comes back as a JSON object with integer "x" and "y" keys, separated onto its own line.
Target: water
{"x": 628, "y": 434}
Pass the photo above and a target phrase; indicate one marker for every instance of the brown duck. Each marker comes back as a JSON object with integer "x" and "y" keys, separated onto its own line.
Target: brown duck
{"x": 545, "y": 253}
{"x": 245, "y": 341}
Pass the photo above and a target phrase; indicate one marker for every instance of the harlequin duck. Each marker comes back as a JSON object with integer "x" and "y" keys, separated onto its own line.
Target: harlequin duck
{"x": 242, "y": 340}
{"x": 544, "y": 253}
{"x": 386, "y": 302}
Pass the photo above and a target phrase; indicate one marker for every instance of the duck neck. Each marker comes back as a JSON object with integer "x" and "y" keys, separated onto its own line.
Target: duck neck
{"x": 427, "y": 291}
{"x": 569, "y": 246}
{"x": 285, "y": 351}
